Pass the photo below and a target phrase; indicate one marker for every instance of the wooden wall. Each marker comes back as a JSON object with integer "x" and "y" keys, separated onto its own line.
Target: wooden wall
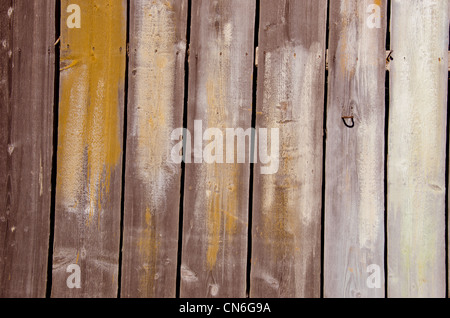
{"x": 352, "y": 92}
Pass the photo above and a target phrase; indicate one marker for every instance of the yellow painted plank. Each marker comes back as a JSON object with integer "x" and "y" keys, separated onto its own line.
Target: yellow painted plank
{"x": 88, "y": 192}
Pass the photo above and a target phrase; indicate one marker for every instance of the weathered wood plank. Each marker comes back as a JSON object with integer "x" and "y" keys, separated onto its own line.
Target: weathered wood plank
{"x": 88, "y": 188}
{"x": 214, "y": 249}
{"x": 354, "y": 171}
{"x": 152, "y": 183}
{"x": 27, "y": 61}
{"x": 416, "y": 153}
{"x": 286, "y": 233}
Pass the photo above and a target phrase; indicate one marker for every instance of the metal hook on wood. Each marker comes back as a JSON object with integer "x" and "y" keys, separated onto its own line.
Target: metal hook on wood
{"x": 345, "y": 122}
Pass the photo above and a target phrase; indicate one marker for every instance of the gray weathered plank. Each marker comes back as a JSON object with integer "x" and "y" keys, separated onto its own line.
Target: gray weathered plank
{"x": 27, "y": 57}
{"x": 152, "y": 181}
{"x": 354, "y": 171}
{"x": 416, "y": 149}
{"x": 214, "y": 248}
{"x": 286, "y": 233}
{"x": 89, "y": 166}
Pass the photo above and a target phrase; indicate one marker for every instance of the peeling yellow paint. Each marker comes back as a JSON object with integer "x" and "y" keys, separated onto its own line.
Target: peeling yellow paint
{"x": 89, "y": 145}
{"x": 169, "y": 5}
{"x": 72, "y": 64}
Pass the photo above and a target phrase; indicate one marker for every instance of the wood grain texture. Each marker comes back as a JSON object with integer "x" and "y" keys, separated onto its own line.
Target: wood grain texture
{"x": 88, "y": 185}
{"x": 354, "y": 171}
{"x": 214, "y": 254}
{"x": 416, "y": 154}
{"x": 286, "y": 233}
{"x": 152, "y": 182}
{"x": 27, "y": 61}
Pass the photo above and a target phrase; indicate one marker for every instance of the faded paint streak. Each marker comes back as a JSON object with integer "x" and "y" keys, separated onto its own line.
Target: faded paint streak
{"x": 148, "y": 245}
{"x": 222, "y": 180}
{"x": 89, "y": 145}
{"x": 154, "y": 93}
{"x": 287, "y": 193}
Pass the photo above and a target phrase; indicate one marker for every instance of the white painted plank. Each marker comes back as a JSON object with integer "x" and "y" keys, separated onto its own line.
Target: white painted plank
{"x": 416, "y": 154}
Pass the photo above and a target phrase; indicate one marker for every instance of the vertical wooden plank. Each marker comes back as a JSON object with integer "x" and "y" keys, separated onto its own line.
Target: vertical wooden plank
{"x": 88, "y": 188}
{"x": 152, "y": 183}
{"x": 286, "y": 243}
{"x": 214, "y": 249}
{"x": 416, "y": 154}
{"x": 27, "y": 60}
{"x": 354, "y": 171}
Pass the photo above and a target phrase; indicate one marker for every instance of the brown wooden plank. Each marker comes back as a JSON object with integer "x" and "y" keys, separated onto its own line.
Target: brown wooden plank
{"x": 354, "y": 171}
{"x": 152, "y": 182}
{"x": 27, "y": 57}
{"x": 286, "y": 243}
{"x": 214, "y": 249}
{"x": 417, "y": 149}
{"x": 88, "y": 187}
